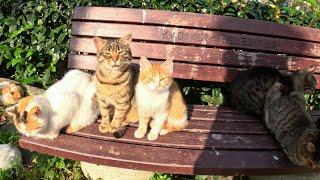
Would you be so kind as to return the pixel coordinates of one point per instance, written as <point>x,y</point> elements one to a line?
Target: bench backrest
<point>204,47</point>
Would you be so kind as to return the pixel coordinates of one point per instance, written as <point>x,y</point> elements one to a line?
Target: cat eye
<point>122,52</point>
<point>106,55</point>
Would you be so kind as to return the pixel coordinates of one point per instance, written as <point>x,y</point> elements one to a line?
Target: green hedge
<point>34,34</point>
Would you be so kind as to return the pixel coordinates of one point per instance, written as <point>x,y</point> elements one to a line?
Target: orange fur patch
<point>147,75</point>
<point>6,90</point>
<point>70,129</point>
<point>23,103</point>
<point>32,122</point>
<point>16,95</point>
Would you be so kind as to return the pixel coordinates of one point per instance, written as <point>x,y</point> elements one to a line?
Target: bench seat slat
<point>181,70</point>
<point>183,19</point>
<point>197,37</point>
<point>203,55</point>
<point>186,152</point>
<point>196,139</point>
<point>161,159</point>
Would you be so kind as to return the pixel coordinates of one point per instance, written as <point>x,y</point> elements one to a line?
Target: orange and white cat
<point>10,93</point>
<point>159,100</point>
<point>69,102</point>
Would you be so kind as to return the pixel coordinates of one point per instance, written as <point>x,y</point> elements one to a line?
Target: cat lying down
<point>10,93</point>
<point>68,103</point>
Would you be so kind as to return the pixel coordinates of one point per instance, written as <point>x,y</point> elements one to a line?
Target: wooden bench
<point>205,48</point>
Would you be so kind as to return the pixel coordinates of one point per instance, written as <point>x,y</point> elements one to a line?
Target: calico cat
<point>247,92</point>
<point>69,102</point>
<point>293,127</point>
<point>116,77</point>
<point>10,93</point>
<point>159,100</point>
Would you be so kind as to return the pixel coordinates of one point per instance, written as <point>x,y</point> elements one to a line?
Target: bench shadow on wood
<point>258,157</point>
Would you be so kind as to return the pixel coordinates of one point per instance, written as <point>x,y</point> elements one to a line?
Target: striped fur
<point>293,127</point>
<point>115,80</point>
<point>247,92</point>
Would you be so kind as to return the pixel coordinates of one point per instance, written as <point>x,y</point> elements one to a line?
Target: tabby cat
<point>247,92</point>
<point>159,100</point>
<point>288,120</point>
<point>10,93</point>
<point>69,102</point>
<point>116,77</point>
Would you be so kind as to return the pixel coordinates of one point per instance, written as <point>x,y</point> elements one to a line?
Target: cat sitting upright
<point>159,100</point>
<point>69,102</point>
<point>115,80</point>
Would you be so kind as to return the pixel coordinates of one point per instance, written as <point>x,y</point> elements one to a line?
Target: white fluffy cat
<point>69,102</point>
<point>9,155</point>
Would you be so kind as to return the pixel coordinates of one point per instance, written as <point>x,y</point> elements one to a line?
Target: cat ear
<point>99,43</point>
<point>144,63</point>
<point>126,39</point>
<point>12,109</point>
<point>168,66</point>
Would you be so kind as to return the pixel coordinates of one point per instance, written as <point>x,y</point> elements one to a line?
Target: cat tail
<point>132,117</point>
<point>177,118</point>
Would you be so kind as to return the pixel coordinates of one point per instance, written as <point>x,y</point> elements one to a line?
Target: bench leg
<point>93,171</point>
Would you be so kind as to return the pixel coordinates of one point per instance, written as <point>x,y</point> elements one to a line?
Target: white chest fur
<point>151,102</point>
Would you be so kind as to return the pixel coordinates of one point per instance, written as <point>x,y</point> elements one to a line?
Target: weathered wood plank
<point>183,19</point>
<point>203,55</point>
<point>197,37</point>
<point>181,70</point>
<point>177,161</point>
<point>192,140</point>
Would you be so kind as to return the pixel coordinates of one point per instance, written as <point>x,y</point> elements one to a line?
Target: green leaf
<point>4,48</point>
<point>205,89</point>
<point>15,61</point>
<point>314,3</point>
<point>61,37</point>
<point>50,174</point>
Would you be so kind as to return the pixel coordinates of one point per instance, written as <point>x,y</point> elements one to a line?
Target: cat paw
<point>104,127</point>
<point>70,130</point>
<point>163,132</point>
<point>113,129</point>
<point>152,137</point>
<point>52,136</point>
<point>139,134</point>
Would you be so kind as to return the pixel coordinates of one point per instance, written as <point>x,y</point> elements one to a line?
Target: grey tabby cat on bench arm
<point>291,124</point>
<point>279,98</point>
